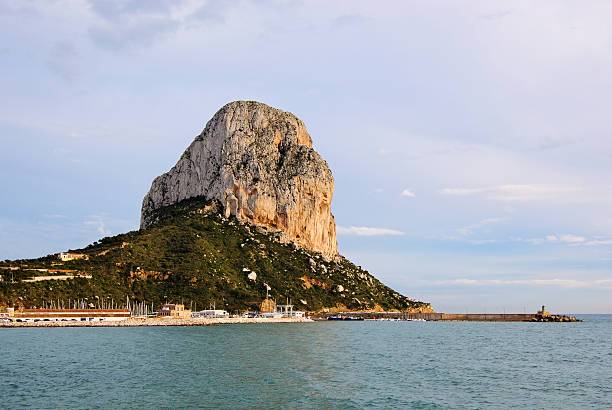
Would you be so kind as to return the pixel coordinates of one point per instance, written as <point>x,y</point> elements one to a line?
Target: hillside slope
<point>195,255</point>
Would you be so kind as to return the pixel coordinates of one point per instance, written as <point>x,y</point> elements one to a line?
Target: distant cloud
<point>211,12</point>
<point>466,230</point>
<point>113,9</point>
<point>125,24</point>
<point>565,283</point>
<point>549,143</point>
<point>567,238</point>
<point>510,193</point>
<point>408,193</point>
<point>482,241</point>
<point>571,240</point>
<point>142,31</point>
<point>366,231</point>
<point>597,242</point>
<point>60,150</point>
<point>55,216</point>
<point>98,223</point>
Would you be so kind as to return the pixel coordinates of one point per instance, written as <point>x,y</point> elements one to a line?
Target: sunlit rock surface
<point>258,162</point>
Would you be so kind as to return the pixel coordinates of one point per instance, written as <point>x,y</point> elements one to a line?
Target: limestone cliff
<point>258,162</point>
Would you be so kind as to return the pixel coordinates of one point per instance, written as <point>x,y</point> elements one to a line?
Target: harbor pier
<point>449,317</point>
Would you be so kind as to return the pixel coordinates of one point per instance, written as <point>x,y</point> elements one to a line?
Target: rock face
<point>258,162</point>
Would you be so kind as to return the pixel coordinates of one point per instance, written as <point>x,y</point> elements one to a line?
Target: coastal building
<point>67,256</point>
<point>210,314</point>
<point>287,311</point>
<point>67,315</point>
<point>267,306</point>
<point>176,311</point>
<point>270,315</point>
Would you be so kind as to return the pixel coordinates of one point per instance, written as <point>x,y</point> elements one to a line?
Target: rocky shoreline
<point>156,322</point>
<point>554,318</point>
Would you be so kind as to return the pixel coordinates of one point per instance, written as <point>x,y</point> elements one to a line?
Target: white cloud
<point>509,193</point>
<point>99,224</point>
<point>366,231</point>
<point>597,242</point>
<point>607,283</point>
<point>54,216</point>
<point>483,241</point>
<point>569,239</point>
<point>408,193</point>
<point>466,230</point>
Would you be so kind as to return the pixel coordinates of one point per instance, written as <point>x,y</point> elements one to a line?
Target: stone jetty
<point>554,318</point>
<point>451,317</point>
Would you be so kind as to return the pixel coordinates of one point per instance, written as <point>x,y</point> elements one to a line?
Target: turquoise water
<point>312,365</point>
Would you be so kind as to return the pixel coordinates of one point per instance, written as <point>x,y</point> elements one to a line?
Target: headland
<point>244,213</point>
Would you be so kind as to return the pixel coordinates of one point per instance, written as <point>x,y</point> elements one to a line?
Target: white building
<point>287,311</point>
<point>210,314</point>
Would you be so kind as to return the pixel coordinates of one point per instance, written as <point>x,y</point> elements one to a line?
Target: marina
<point>174,314</point>
<point>141,314</point>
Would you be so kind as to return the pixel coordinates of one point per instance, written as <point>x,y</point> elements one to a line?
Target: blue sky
<point>470,141</point>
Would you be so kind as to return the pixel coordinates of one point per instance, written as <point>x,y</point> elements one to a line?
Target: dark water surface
<point>312,365</point>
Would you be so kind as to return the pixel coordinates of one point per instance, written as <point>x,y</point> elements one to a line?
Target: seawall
<point>469,317</point>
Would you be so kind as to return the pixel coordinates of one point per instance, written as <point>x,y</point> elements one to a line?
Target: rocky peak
<point>258,162</point>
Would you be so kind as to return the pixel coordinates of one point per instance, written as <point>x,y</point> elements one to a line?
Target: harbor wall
<point>473,317</point>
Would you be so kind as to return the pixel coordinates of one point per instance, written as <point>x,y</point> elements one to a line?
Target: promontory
<point>244,215</point>
<point>258,162</point>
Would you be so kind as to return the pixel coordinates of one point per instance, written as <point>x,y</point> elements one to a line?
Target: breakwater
<point>468,317</point>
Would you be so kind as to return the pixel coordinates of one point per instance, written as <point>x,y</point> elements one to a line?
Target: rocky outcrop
<point>258,162</point>
<point>554,318</point>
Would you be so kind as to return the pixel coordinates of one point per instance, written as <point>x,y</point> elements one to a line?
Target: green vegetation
<point>193,254</point>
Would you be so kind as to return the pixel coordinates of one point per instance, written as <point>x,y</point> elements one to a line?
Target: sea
<point>330,365</point>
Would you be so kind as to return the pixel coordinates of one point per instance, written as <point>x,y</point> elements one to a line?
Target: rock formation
<point>258,162</point>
